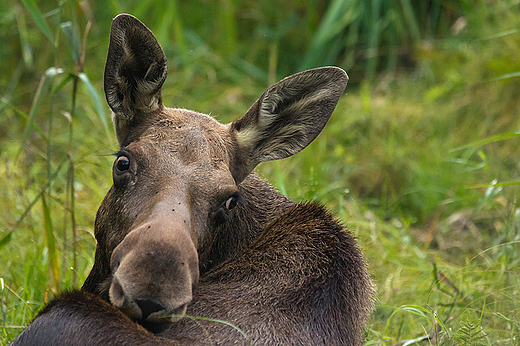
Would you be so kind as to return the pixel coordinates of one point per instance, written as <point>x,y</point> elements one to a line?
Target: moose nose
<point>148,306</point>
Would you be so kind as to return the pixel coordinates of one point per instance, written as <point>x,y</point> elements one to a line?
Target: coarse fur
<point>187,229</point>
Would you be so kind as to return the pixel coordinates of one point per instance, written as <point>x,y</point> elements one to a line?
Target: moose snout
<point>154,272</point>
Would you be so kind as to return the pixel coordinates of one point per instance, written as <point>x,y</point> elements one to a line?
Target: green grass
<point>420,158</point>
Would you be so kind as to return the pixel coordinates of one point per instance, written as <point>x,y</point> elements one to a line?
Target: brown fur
<point>171,240</point>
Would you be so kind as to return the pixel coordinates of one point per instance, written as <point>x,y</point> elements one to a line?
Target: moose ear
<point>135,71</point>
<point>286,118</point>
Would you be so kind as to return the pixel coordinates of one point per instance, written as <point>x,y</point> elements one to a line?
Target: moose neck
<point>262,204</point>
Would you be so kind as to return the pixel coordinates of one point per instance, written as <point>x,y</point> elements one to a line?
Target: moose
<point>193,248</point>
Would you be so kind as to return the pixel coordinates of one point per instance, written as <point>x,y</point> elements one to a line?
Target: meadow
<point>420,158</point>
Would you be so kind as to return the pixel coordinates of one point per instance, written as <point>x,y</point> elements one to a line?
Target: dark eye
<point>122,164</point>
<point>222,213</point>
<point>231,202</point>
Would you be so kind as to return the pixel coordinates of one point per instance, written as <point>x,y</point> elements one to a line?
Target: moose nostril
<point>148,306</point>
<point>117,295</point>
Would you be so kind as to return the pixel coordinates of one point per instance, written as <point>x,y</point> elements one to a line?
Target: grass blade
<point>505,183</point>
<point>27,50</point>
<point>339,15</point>
<point>218,321</point>
<point>374,38</point>
<point>280,178</point>
<point>51,244</point>
<point>493,139</point>
<point>411,19</point>
<point>36,15</point>
<point>508,75</point>
<point>49,181</point>
<point>97,102</point>
<point>23,115</point>
<point>228,25</point>
<point>6,239</point>
<point>500,34</point>
<point>11,86</point>
<point>72,35</point>
<point>413,309</point>
<point>178,30</point>
<point>45,81</point>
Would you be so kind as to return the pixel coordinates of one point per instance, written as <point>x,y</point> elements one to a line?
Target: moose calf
<point>188,229</point>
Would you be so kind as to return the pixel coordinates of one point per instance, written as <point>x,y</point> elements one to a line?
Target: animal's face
<point>177,173</point>
<point>171,186</point>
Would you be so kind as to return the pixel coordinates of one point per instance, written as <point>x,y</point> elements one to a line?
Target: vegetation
<point>420,158</point>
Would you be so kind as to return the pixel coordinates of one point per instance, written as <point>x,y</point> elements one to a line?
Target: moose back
<point>188,229</point>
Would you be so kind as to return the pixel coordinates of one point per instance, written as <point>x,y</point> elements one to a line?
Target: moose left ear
<point>286,118</point>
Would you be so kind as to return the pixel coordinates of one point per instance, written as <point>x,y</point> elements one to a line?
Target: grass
<point>420,158</point>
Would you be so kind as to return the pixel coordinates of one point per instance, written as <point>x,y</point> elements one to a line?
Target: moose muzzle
<point>155,270</point>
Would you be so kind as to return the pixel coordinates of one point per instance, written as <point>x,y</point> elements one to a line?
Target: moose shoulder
<point>187,229</point>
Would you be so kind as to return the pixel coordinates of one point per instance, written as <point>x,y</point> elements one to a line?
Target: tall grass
<point>420,158</point>
<point>374,35</point>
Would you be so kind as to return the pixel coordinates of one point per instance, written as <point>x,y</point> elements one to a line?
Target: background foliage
<point>420,158</point>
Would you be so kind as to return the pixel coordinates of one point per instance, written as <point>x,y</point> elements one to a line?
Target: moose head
<point>177,175</point>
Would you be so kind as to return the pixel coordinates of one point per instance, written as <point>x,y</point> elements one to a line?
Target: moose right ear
<point>135,72</point>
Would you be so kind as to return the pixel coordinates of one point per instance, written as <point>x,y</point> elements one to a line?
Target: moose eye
<point>231,202</point>
<point>223,211</point>
<point>122,164</point>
